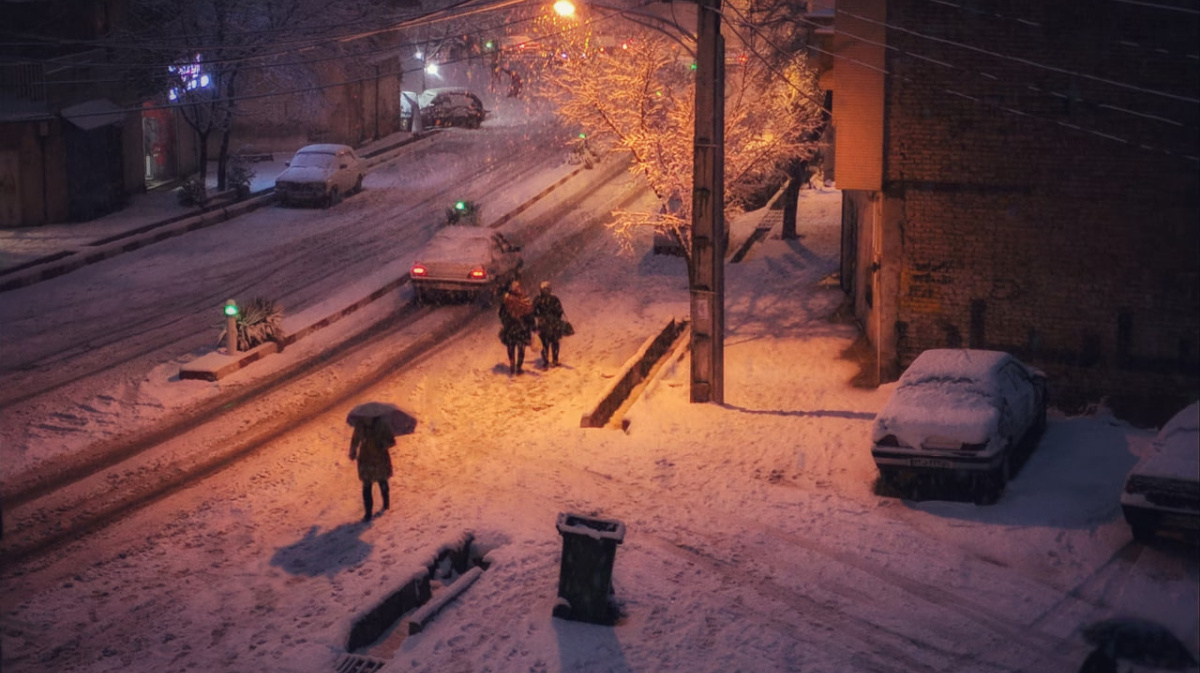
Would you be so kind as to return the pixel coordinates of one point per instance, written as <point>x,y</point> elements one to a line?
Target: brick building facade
<point>1023,176</point>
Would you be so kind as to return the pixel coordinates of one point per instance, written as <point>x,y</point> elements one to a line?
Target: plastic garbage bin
<point>585,590</point>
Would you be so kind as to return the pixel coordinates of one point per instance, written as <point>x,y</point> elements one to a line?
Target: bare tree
<point>198,51</point>
<point>640,98</point>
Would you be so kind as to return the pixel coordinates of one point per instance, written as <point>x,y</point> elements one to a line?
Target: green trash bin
<point>585,590</point>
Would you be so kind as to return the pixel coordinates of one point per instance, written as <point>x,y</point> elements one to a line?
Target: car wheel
<point>419,297</point>
<point>332,198</point>
<point>358,185</point>
<point>1142,533</point>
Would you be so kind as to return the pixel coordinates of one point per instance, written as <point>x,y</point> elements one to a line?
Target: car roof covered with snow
<point>324,148</point>
<point>459,243</point>
<point>426,97</point>
<point>947,393</point>
<point>1175,453</point>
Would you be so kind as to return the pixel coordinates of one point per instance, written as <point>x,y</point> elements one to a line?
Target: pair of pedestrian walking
<point>520,317</point>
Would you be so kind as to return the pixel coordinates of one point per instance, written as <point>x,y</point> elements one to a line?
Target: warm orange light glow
<point>564,8</point>
<point>478,274</point>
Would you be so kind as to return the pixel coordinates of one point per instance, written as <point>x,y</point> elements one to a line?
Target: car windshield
<point>312,160</point>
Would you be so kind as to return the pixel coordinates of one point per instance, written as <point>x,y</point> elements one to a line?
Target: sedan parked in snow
<point>1162,491</point>
<point>320,174</point>
<point>464,261</point>
<point>960,416</point>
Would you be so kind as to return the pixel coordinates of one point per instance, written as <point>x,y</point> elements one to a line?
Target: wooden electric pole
<point>707,282</point>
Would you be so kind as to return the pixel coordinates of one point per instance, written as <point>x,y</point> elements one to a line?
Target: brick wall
<point>1037,218</point>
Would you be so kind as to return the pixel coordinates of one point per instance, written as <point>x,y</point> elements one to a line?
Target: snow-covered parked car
<point>464,261</point>
<point>960,416</point>
<point>320,174</point>
<point>1162,491</point>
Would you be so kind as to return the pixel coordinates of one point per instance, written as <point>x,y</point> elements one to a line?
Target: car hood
<point>943,414</point>
<point>1175,453</point>
<point>304,174</point>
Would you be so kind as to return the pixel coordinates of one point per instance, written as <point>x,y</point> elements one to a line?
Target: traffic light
<point>462,207</point>
<point>231,309</point>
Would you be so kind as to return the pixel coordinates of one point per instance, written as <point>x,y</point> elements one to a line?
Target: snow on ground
<point>754,539</point>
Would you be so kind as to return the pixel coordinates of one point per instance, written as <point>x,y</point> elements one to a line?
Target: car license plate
<point>930,462</point>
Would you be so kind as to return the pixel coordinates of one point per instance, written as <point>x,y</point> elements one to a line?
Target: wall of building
<point>1034,218</point>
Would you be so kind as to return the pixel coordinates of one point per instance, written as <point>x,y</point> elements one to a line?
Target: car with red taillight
<point>959,417</point>
<point>464,262</point>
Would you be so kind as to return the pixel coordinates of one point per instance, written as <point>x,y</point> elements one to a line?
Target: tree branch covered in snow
<point>639,97</point>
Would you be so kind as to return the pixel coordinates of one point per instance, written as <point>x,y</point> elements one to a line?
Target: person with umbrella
<point>375,428</point>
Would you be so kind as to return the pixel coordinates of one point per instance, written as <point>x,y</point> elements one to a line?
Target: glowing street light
<point>564,8</point>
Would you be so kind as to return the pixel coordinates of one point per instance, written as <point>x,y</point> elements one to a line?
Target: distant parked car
<point>960,416</point>
<point>1162,491</point>
<point>320,175</point>
<point>451,106</point>
<point>464,261</point>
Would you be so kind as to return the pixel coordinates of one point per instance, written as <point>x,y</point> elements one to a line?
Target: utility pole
<point>707,284</point>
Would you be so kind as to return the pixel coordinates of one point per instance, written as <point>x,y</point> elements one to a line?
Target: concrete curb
<point>633,372</point>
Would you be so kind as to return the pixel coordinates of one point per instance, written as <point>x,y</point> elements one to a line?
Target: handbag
<point>567,329</point>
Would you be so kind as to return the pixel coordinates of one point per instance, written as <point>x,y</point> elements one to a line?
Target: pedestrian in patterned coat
<point>549,313</point>
<point>369,446</point>
<point>516,325</point>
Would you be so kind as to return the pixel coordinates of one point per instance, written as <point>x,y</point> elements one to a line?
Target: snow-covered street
<point>754,539</point>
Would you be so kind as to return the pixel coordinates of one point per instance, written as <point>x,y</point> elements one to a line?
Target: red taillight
<point>419,270</point>
<point>478,274</point>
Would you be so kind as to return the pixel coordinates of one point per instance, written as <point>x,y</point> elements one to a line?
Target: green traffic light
<point>583,135</point>
<point>231,310</point>
<point>489,44</point>
<point>460,205</point>
<point>693,66</point>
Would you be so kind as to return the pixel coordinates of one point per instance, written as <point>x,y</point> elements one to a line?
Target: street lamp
<point>707,281</point>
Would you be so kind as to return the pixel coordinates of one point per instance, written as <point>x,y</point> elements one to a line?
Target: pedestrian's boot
<point>386,493</point>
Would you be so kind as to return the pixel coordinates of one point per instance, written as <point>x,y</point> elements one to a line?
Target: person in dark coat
<point>516,325</point>
<point>548,311</point>
<point>369,446</point>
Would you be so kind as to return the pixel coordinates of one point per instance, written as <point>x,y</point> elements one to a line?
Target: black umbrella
<point>1140,641</point>
<point>398,421</point>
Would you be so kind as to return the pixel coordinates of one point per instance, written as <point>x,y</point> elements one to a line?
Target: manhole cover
<point>356,663</point>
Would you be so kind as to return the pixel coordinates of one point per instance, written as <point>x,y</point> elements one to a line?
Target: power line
<point>1031,87</point>
<point>1029,23</point>
<point>1010,110</point>
<point>1018,59</point>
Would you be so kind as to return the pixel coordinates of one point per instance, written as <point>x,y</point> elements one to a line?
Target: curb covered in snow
<point>635,370</point>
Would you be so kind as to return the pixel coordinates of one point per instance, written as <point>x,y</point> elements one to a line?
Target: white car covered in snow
<point>320,175</point>
<point>959,416</point>
<point>1162,491</point>
<point>464,261</point>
